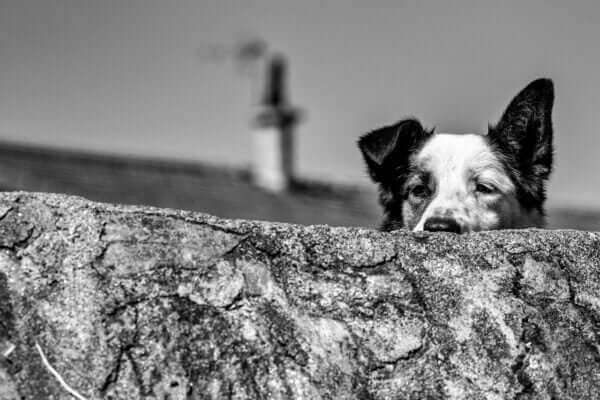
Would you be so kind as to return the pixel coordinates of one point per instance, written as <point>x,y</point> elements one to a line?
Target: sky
<point>158,78</point>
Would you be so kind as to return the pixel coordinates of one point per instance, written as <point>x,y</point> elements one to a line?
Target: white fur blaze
<point>468,185</point>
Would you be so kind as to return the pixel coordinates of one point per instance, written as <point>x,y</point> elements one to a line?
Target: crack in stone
<point>124,353</point>
<point>4,211</point>
<point>113,375</point>
<point>591,317</point>
<point>21,243</point>
<point>518,368</point>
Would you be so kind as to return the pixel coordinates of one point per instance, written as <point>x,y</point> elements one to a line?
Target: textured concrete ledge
<point>119,302</point>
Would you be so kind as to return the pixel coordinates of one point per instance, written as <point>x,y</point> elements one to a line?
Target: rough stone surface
<point>137,302</point>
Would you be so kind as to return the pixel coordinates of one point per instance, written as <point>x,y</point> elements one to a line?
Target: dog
<point>460,183</point>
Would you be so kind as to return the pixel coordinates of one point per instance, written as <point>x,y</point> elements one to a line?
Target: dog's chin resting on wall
<point>460,183</point>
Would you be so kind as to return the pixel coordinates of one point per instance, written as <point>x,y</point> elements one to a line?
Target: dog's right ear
<point>387,150</point>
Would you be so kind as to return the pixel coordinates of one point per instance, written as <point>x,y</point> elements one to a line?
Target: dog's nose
<point>438,224</point>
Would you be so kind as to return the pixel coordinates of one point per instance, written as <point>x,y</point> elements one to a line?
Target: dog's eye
<point>485,188</point>
<point>420,191</point>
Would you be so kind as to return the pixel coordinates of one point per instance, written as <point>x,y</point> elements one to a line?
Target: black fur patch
<point>387,154</point>
<point>522,139</point>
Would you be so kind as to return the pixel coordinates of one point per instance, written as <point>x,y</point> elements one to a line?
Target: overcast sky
<point>155,77</point>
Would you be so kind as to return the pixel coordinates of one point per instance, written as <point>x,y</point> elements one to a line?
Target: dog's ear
<point>524,133</point>
<point>387,150</point>
<point>523,138</point>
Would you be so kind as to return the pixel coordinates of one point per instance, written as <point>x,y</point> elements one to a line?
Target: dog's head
<point>466,182</point>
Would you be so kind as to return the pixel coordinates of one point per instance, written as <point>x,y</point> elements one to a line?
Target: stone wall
<point>104,301</point>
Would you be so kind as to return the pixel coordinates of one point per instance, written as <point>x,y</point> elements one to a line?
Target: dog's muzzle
<point>440,224</point>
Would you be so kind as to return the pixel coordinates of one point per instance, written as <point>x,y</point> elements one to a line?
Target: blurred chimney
<point>273,131</point>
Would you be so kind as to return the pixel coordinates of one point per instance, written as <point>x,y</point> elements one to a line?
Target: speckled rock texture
<point>136,302</point>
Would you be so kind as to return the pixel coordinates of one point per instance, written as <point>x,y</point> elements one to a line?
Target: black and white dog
<point>466,182</point>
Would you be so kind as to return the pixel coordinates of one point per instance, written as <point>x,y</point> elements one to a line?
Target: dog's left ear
<point>386,150</point>
<point>524,133</point>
